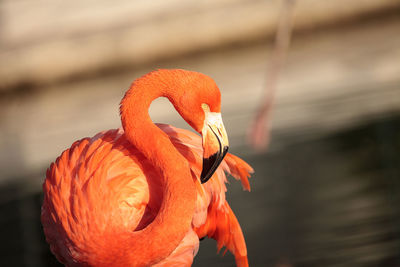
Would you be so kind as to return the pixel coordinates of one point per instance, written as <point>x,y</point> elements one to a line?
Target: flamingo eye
<point>205,107</point>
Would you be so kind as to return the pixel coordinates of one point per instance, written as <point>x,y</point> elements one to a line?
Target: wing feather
<point>86,183</point>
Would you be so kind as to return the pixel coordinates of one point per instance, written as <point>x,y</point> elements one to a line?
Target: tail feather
<point>222,225</point>
<point>239,169</point>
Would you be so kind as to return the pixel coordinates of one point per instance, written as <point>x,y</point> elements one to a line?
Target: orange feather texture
<point>132,196</point>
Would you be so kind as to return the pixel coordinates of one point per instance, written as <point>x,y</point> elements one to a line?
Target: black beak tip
<point>208,167</point>
<point>204,178</point>
<point>211,164</point>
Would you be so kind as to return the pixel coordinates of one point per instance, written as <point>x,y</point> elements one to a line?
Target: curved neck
<point>156,241</point>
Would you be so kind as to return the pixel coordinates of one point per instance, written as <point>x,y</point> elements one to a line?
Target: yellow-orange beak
<point>215,144</point>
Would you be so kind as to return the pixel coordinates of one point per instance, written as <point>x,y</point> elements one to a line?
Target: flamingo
<point>145,194</point>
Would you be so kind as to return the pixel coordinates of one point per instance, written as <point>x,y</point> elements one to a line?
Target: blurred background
<point>326,192</point>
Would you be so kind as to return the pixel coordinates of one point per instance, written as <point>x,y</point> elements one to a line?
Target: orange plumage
<point>133,196</point>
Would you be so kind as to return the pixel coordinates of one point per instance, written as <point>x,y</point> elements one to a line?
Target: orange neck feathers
<point>159,238</point>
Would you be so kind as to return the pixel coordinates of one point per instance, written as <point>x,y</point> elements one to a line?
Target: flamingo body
<point>103,188</point>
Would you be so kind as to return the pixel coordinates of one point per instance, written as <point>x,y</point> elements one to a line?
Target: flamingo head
<point>199,104</point>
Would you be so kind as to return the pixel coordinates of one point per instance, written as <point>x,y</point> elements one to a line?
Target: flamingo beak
<point>215,144</point>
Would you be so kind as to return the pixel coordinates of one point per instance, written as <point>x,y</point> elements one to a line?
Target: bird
<point>146,194</point>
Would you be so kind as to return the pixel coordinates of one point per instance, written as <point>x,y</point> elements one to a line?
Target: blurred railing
<point>47,41</point>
